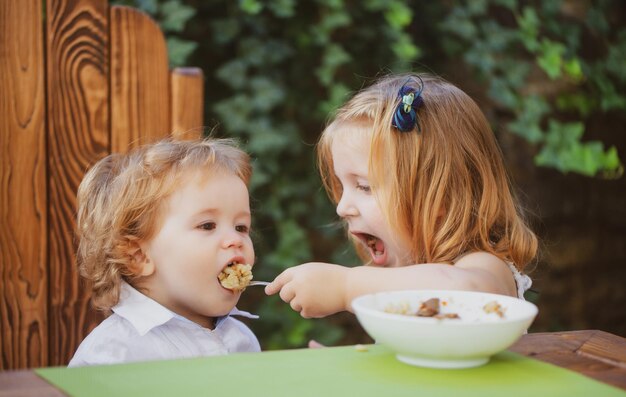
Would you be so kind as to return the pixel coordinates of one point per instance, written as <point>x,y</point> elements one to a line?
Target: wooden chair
<point>77,82</point>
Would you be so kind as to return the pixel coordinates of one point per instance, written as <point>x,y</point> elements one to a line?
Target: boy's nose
<point>345,208</point>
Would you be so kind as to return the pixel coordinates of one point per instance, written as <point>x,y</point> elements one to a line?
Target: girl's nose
<point>233,239</point>
<point>345,207</point>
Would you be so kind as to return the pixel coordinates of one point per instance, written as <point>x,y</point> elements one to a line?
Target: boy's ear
<point>140,262</point>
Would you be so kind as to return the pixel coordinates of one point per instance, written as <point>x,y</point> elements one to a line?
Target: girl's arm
<point>320,289</point>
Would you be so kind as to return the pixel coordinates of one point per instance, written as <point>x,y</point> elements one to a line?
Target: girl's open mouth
<point>375,246</point>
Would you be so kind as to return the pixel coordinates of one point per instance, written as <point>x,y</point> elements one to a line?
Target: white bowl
<point>444,343</point>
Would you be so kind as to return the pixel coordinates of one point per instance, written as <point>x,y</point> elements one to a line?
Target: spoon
<point>253,283</point>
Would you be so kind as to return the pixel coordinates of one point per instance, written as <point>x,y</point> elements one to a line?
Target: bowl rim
<point>358,306</point>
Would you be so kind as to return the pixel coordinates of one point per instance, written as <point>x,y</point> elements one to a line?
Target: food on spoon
<point>236,276</point>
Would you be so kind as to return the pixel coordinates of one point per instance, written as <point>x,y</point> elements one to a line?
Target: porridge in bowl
<point>444,329</point>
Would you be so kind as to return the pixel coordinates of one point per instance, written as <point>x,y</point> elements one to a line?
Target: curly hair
<point>445,189</point>
<point>119,202</point>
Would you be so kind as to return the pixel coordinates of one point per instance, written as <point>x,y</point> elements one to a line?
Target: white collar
<point>144,313</point>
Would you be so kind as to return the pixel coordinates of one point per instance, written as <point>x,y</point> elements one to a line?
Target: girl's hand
<point>313,289</point>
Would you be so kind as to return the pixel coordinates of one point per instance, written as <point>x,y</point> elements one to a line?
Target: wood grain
<point>140,87</point>
<point>187,103</point>
<point>78,135</point>
<point>596,354</point>
<point>55,123</point>
<point>26,384</point>
<point>23,213</point>
<point>604,347</point>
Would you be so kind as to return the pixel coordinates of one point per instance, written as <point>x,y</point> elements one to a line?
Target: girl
<point>418,178</point>
<point>156,228</point>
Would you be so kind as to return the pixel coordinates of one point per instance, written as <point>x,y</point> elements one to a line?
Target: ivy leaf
<point>179,50</point>
<point>581,102</point>
<point>459,23</point>
<point>477,7</point>
<point>225,30</point>
<point>550,58</point>
<point>375,5</point>
<point>501,91</point>
<point>251,7</point>
<point>398,15</point>
<point>337,96</point>
<point>282,8</point>
<point>334,56</point>
<point>233,113</point>
<point>597,20</point>
<point>233,73</point>
<point>481,57</point>
<point>404,48</point>
<point>175,15</point>
<point>612,159</point>
<point>573,69</point>
<point>334,4</point>
<point>149,6</point>
<point>330,22</point>
<point>528,122</point>
<point>528,24</point>
<point>293,245</point>
<point>564,151</point>
<point>609,97</point>
<point>267,138</point>
<point>510,4</point>
<point>616,59</point>
<point>266,94</point>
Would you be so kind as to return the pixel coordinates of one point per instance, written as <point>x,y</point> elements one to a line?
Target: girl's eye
<point>242,228</point>
<point>364,188</point>
<point>207,226</point>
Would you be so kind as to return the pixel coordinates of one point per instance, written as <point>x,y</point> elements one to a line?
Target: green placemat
<point>328,372</point>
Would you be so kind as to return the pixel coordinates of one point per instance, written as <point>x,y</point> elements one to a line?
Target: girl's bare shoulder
<point>482,261</point>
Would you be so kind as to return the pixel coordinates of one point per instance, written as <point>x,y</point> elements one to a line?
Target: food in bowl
<point>494,307</point>
<point>427,308</point>
<point>236,276</point>
<point>485,324</point>
<point>431,308</point>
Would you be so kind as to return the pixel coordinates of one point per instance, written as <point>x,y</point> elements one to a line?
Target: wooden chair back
<point>79,79</point>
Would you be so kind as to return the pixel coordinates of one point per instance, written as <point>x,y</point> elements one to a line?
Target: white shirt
<point>141,329</point>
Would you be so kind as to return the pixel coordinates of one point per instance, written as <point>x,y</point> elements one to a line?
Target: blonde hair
<point>120,198</point>
<point>445,189</point>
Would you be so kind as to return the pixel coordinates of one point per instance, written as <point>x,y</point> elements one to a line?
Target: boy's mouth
<point>236,275</point>
<point>375,246</point>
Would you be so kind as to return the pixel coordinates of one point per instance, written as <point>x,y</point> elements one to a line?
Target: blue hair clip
<point>405,117</point>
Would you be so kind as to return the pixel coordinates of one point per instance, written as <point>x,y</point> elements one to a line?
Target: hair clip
<point>405,117</point>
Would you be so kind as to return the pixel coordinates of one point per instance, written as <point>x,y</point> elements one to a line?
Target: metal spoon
<point>253,283</point>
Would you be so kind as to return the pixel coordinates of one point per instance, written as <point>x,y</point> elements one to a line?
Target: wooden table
<point>596,354</point>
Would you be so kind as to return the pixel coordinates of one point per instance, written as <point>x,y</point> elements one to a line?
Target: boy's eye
<point>363,187</point>
<point>242,228</point>
<point>207,226</point>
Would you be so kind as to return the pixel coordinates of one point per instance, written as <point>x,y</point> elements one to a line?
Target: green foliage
<point>286,69</point>
<point>507,57</point>
<point>563,150</point>
<point>276,69</point>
